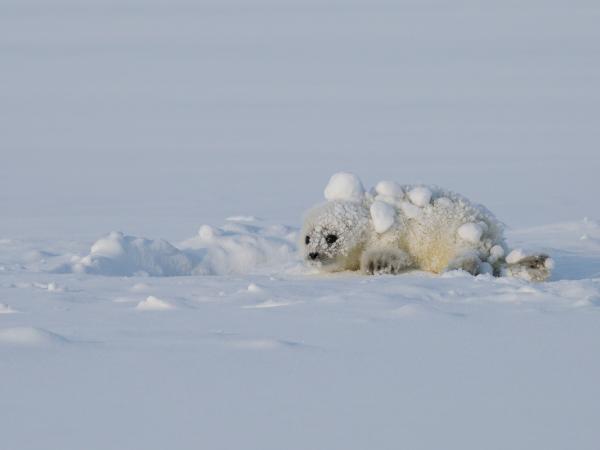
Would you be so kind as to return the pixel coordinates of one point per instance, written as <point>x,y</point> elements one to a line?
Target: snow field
<point>226,349</point>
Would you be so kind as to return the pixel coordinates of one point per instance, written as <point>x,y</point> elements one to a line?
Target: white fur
<point>436,231</point>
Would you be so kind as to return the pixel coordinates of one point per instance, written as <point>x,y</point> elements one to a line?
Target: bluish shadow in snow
<point>573,266</point>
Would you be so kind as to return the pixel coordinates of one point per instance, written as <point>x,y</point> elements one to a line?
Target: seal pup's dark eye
<point>307,240</point>
<point>330,238</point>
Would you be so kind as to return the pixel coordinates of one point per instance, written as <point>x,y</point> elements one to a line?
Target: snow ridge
<point>236,247</point>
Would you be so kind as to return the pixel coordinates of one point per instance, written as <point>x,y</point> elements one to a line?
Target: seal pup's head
<point>334,234</point>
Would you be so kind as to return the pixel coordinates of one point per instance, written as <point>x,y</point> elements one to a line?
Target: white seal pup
<point>396,228</point>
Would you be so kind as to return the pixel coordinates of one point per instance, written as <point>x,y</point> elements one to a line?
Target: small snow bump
<point>125,300</point>
<point>140,287</point>
<point>420,196</point>
<point>207,233</point>
<point>262,344</point>
<point>154,304</point>
<point>269,304</point>
<point>486,268</point>
<point>383,216</point>
<point>583,303</point>
<point>29,337</point>
<point>50,287</point>
<point>515,256</point>
<point>254,288</point>
<point>470,232</point>
<point>5,309</point>
<point>389,189</point>
<point>109,246</point>
<point>241,219</point>
<point>496,252</point>
<point>407,311</point>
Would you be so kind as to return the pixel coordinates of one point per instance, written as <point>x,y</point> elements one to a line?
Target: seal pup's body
<point>397,228</point>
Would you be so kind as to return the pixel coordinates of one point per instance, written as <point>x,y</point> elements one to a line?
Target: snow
<point>252,287</point>
<point>344,186</point>
<point>516,255</point>
<point>470,232</point>
<point>383,216</point>
<point>158,118</point>
<point>6,309</point>
<point>122,255</point>
<point>389,189</point>
<point>496,253</point>
<point>486,268</point>
<point>232,248</point>
<point>402,345</point>
<point>29,336</point>
<point>420,196</point>
<point>239,248</point>
<point>153,304</point>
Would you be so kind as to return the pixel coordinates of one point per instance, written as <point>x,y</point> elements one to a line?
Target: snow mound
<point>383,216</point>
<point>344,186</point>
<point>420,196</point>
<point>496,253</point>
<point>30,337</point>
<point>389,189</point>
<point>117,254</point>
<point>154,304</point>
<point>240,248</point>
<point>470,232</point>
<point>234,248</point>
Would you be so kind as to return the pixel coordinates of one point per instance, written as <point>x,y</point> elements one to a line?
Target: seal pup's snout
<point>313,255</point>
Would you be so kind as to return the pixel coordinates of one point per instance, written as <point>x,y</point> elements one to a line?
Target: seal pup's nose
<point>313,255</point>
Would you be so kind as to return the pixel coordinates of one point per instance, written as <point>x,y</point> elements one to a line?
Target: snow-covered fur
<point>394,228</point>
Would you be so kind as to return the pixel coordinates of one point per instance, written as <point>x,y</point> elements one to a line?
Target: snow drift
<point>237,247</point>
